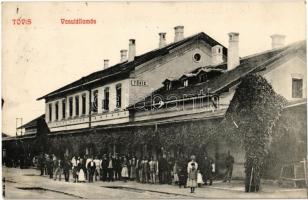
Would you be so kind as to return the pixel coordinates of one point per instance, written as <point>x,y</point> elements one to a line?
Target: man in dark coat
<point>58,164</point>
<point>207,170</point>
<point>66,168</point>
<point>41,163</point>
<point>162,170</point>
<point>104,166</point>
<point>91,168</point>
<point>117,167</point>
<point>49,163</point>
<point>229,165</point>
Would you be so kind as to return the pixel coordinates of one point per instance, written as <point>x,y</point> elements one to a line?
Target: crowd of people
<point>131,168</point>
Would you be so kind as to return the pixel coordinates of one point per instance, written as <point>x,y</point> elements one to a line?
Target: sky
<point>45,55</point>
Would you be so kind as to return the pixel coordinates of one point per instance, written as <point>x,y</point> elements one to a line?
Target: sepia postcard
<point>154,100</point>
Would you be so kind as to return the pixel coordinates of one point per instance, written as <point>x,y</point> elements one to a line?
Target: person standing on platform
<point>139,169</point>
<point>229,165</point>
<point>124,172</point>
<point>50,166</point>
<point>88,159</point>
<point>98,167</point>
<point>91,169</point>
<point>81,174</point>
<point>110,168</point>
<point>208,170</point>
<point>162,169</point>
<point>153,165</point>
<point>59,168</point>
<point>133,163</point>
<point>41,163</point>
<point>66,168</point>
<point>117,167</point>
<point>75,162</point>
<point>104,166</point>
<point>192,177</point>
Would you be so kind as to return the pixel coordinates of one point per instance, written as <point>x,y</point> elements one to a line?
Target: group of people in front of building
<point>144,170</point>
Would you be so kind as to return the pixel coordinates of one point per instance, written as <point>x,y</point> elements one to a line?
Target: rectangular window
<point>70,104</point>
<point>202,78</point>
<point>185,83</point>
<point>118,95</point>
<point>50,112</point>
<point>77,105</point>
<point>106,100</point>
<point>63,109</point>
<point>83,104</point>
<point>297,88</point>
<point>94,102</point>
<point>168,86</point>
<point>57,110</point>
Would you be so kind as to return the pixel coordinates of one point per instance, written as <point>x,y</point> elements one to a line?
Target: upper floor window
<point>169,86</point>
<point>118,95</point>
<point>197,57</point>
<point>95,101</point>
<point>63,109</point>
<point>77,105</point>
<point>57,110</point>
<point>185,83</point>
<point>50,112</point>
<point>106,99</point>
<point>70,104</point>
<point>202,77</point>
<point>297,88</point>
<point>83,103</point>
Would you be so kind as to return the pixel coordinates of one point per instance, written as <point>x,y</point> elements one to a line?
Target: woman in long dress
<point>133,163</point>
<point>192,178</point>
<point>124,172</point>
<point>81,175</point>
<point>192,172</point>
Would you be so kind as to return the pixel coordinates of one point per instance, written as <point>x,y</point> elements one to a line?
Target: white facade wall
<point>154,72</point>
<point>114,115</point>
<point>172,66</point>
<point>281,76</point>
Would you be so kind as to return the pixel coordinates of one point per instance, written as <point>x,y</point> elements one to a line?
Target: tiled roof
<point>216,85</point>
<point>32,123</point>
<point>121,70</point>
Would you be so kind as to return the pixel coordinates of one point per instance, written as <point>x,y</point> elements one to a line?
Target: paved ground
<point>27,184</point>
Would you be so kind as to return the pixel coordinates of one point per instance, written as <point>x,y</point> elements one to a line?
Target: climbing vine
<point>250,118</point>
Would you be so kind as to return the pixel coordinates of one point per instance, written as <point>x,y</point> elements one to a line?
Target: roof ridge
<point>137,61</point>
<point>273,50</point>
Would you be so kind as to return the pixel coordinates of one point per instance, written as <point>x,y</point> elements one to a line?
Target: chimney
<point>277,41</point>
<point>162,40</point>
<point>217,55</point>
<point>131,50</point>
<point>178,33</point>
<point>123,54</point>
<point>106,63</point>
<point>233,50</point>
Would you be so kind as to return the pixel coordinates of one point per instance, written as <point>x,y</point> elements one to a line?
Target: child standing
<point>192,178</point>
<point>199,179</point>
